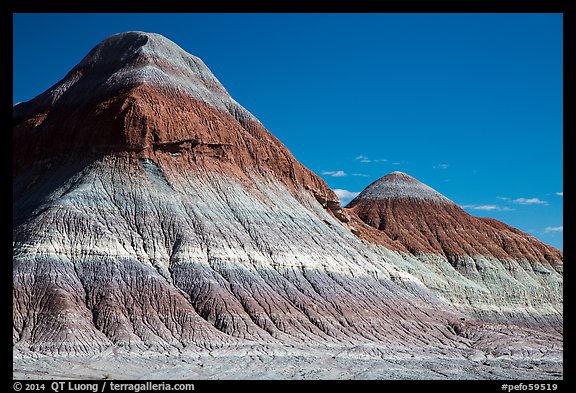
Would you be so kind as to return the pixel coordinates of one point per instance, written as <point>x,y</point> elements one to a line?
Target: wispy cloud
<point>481,207</point>
<point>554,229</point>
<point>396,163</point>
<point>365,159</point>
<point>441,166</point>
<point>487,207</point>
<point>525,201</point>
<point>529,201</point>
<point>345,194</point>
<point>335,173</point>
<point>561,193</point>
<point>360,174</point>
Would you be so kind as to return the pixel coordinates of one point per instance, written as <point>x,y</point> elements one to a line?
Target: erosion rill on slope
<point>153,212</point>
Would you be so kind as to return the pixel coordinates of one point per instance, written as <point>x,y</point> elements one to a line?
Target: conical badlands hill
<point>482,266</point>
<point>152,211</point>
<point>151,208</point>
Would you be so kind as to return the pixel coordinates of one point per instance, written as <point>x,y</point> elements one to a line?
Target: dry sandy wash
<point>160,231</point>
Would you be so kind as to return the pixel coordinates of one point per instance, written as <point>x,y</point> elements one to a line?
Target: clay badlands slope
<point>482,266</point>
<point>153,215</point>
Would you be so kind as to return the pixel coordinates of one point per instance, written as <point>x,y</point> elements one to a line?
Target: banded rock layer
<point>152,211</point>
<point>482,266</point>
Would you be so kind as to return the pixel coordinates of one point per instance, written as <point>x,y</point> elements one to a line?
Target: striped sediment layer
<point>153,212</point>
<point>484,267</point>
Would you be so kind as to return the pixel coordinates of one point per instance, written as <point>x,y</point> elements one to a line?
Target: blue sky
<point>470,104</point>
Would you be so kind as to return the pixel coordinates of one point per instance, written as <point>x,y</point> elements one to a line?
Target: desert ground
<point>286,362</point>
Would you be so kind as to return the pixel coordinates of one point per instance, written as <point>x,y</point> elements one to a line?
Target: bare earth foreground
<point>281,362</point>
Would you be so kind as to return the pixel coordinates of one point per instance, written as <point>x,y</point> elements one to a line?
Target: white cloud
<point>441,166</point>
<point>395,163</point>
<point>334,173</point>
<point>555,229</point>
<point>487,207</point>
<point>345,194</point>
<point>481,207</point>
<point>561,193</point>
<point>363,159</point>
<point>366,159</point>
<point>529,201</point>
<point>360,174</point>
<point>523,201</point>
